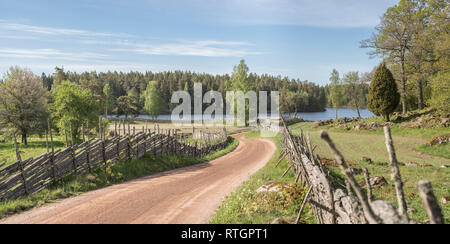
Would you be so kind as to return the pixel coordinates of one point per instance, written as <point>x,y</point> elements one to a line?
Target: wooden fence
<point>34,174</point>
<point>336,201</point>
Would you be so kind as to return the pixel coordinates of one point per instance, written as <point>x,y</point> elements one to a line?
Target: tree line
<point>134,84</point>
<point>74,101</point>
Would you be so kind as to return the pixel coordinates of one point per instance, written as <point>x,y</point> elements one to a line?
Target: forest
<point>312,97</point>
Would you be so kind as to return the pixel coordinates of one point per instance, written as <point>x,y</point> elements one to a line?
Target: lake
<point>313,116</point>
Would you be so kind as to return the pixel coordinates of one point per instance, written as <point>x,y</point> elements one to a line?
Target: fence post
<point>82,132</point>
<point>115,128</point>
<point>124,129</point>
<point>104,152</point>
<point>87,153</point>
<point>52,159</point>
<point>128,146</point>
<point>100,127</point>
<point>65,135</point>
<point>19,159</point>
<point>72,151</point>
<point>71,136</point>
<point>118,146</point>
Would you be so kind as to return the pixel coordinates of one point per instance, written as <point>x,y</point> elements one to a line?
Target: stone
<point>377,181</point>
<point>367,159</point>
<point>356,171</point>
<point>280,221</point>
<point>411,210</point>
<point>411,164</point>
<point>445,200</point>
<point>387,213</point>
<point>270,187</point>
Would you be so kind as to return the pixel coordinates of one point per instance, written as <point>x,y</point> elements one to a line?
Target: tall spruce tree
<point>383,96</point>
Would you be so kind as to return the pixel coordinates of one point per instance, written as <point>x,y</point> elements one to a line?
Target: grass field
<point>36,146</point>
<point>442,150</point>
<point>356,145</point>
<point>101,177</point>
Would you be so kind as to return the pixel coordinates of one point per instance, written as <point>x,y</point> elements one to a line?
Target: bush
<point>383,95</point>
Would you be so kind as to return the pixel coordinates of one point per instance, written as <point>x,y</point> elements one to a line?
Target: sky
<point>300,39</point>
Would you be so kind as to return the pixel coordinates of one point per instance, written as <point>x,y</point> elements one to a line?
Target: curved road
<point>187,195</point>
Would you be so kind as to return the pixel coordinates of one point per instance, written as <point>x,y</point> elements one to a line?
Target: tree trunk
<point>24,138</point>
<point>403,84</point>
<point>336,113</point>
<point>387,117</point>
<point>357,109</point>
<point>420,91</point>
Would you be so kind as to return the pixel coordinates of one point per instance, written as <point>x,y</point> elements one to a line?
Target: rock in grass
<point>356,171</point>
<point>280,221</point>
<point>378,181</point>
<point>411,164</point>
<point>367,159</point>
<point>445,200</point>
<point>411,210</point>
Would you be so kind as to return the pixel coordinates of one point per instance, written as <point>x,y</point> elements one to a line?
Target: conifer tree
<point>383,96</point>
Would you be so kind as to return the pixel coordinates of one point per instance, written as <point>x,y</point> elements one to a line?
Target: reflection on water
<point>313,116</point>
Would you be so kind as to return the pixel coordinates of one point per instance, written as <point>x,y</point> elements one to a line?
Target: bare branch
<point>402,208</point>
<point>368,212</point>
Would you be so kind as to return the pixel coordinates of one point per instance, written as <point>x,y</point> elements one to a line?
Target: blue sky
<point>301,39</point>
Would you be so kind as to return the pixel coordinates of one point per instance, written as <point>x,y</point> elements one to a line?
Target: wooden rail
<point>35,174</point>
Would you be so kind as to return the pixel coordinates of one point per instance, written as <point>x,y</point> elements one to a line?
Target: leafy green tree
<point>296,101</point>
<point>440,92</point>
<point>73,106</point>
<point>354,91</point>
<point>153,100</point>
<point>395,37</point>
<point>23,102</point>
<point>241,82</point>
<point>108,98</point>
<point>383,96</point>
<point>126,105</point>
<point>336,93</point>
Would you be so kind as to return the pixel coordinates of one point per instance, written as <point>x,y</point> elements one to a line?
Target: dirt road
<point>186,195</point>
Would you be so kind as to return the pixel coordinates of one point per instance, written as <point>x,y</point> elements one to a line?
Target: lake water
<point>312,116</point>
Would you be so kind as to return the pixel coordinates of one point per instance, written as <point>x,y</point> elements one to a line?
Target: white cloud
<point>208,48</point>
<point>112,42</point>
<point>41,30</point>
<point>48,53</point>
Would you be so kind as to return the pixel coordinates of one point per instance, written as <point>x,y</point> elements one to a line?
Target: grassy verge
<point>442,150</point>
<point>101,177</point>
<point>356,145</point>
<point>245,206</point>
